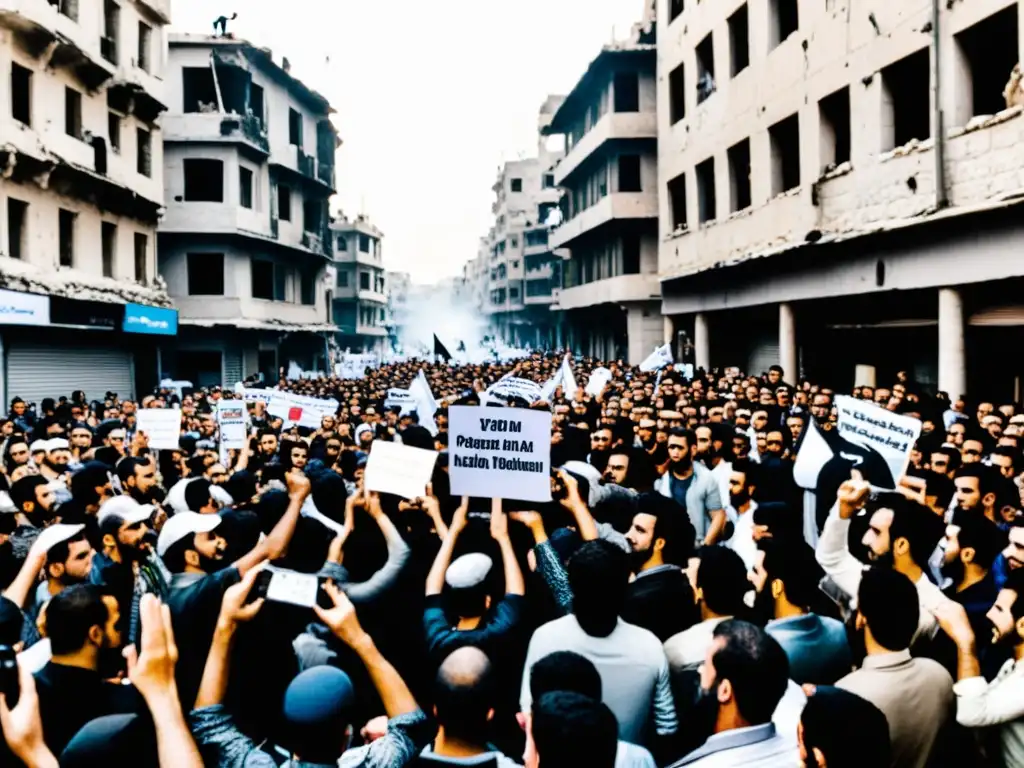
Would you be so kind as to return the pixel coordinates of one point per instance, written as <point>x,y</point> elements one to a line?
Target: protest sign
<point>510,386</point>
<point>354,366</point>
<point>400,398</point>
<point>175,386</point>
<point>503,453</point>
<point>399,469</point>
<point>890,435</point>
<point>231,419</point>
<point>299,409</point>
<point>598,381</point>
<point>658,359</point>
<point>162,426</point>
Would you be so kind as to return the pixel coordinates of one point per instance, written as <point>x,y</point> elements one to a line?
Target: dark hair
<point>687,434</point>
<point>71,613</point>
<point>722,578</point>
<point>748,469</point>
<point>888,602</point>
<point>572,729</point>
<point>671,524</point>
<point>565,671</point>
<point>197,493</point>
<point>464,693</point>
<point>756,666</point>
<point>939,486</point>
<point>792,562</point>
<point>24,490</point>
<point>979,533</point>
<point>1015,583</point>
<point>598,577</point>
<point>126,468</point>
<point>60,552</point>
<point>921,527</point>
<point>850,731</point>
<point>174,557</point>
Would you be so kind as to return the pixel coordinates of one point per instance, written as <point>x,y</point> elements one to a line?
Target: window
<point>626,89</point>
<point>513,242</point>
<point>342,243</point>
<point>307,288</point>
<point>284,202</point>
<point>21,94</point>
<point>629,173</point>
<point>67,7</point>
<point>739,176</point>
<point>677,201</point>
<point>66,237</point>
<point>543,211</point>
<point>72,112</point>
<point>631,253</point>
<point>985,54</point>
<point>17,221</point>
<point>906,96</point>
<point>114,131</point>
<point>513,292</point>
<point>205,274</point>
<point>784,137</point>
<point>677,94</point>
<point>144,152</point>
<point>517,185</point>
<point>198,89</point>
<point>834,118</point>
<point>145,45</point>
<point>706,203</point>
<point>108,234</point>
<point>262,279</point>
<point>280,282</point>
<point>739,41</point>
<point>204,180</point>
<point>256,103</point>
<point>141,258</point>
<point>294,128</point>
<point>705,68</point>
<point>783,21</point>
<point>364,243</point>
<point>111,25</point>
<point>549,180</point>
<point>382,316</point>
<point>364,281</point>
<point>675,7</point>
<point>245,187</point>
<point>343,279</point>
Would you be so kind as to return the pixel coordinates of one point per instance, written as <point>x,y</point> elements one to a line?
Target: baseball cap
<point>184,524</point>
<point>127,508</point>
<point>56,534</point>
<point>57,444</point>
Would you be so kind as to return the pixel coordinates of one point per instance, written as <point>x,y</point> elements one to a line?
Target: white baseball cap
<point>127,508</point>
<point>56,534</point>
<point>184,524</point>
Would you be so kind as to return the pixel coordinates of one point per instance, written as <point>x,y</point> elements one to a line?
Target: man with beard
<point>710,444</point>
<point>34,500</point>
<point>55,462</point>
<point>742,680</point>
<point>660,541</point>
<point>742,482</point>
<point>693,487</point>
<point>914,694</point>
<point>138,479</point>
<point>90,487</point>
<point>972,544</point>
<point>600,448</point>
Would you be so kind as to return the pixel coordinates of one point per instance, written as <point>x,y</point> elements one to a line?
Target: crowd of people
<point>681,600</point>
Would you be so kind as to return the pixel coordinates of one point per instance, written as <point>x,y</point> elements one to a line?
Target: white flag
<point>658,359</point>
<point>426,405</point>
<point>569,385</point>
<point>598,381</point>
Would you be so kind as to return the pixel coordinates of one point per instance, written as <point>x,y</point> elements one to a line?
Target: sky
<point>431,98</point>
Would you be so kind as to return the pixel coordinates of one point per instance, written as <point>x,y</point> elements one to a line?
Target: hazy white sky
<point>431,98</point>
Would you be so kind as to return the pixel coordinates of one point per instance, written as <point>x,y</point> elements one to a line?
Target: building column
<point>952,355</point>
<point>787,342</point>
<point>701,342</point>
<point>669,335</point>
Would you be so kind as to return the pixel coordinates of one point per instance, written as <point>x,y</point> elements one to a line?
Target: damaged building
<point>245,246</point>
<point>848,193</point>
<point>361,286</point>
<point>81,191</point>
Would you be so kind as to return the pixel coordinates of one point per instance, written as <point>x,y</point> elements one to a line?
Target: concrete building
<point>360,293</point>
<point>523,271</point>
<point>245,245</point>
<point>81,188</point>
<point>842,187</point>
<point>609,300</point>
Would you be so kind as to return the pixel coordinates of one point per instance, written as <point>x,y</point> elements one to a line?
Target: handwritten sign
<point>162,426</point>
<point>400,398</point>
<point>500,452</point>
<point>510,387</point>
<point>399,469</point>
<point>890,435</point>
<point>231,419</point>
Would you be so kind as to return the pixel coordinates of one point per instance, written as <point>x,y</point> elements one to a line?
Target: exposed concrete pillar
<point>701,342</point>
<point>787,342</point>
<point>952,356</point>
<point>669,326</point>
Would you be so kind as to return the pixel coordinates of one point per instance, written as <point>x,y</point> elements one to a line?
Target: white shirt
<point>1000,703</point>
<point>690,647</point>
<point>742,540</point>
<point>722,473</point>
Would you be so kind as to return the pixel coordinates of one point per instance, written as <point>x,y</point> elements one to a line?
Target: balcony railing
<point>313,242</point>
<point>254,130</point>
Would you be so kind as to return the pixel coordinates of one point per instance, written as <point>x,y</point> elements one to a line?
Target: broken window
<point>17,223</point>
<point>364,243</point>
<point>834,113</point>
<point>204,180</point>
<point>21,94</point>
<point>262,279</point>
<point>245,187</point>
<point>145,46</point>
<point>986,53</point>
<point>66,237</point>
<point>364,281</point>
<point>72,112</point>
<point>906,100</point>
<point>307,287</point>
<point>739,41</point>
<point>705,68</point>
<point>784,137</point>
<point>284,202</point>
<point>108,249</point>
<point>205,274</point>
<point>739,176</point>
<point>256,101</point>
<point>111,26</point>
<point>294,128</point>
<point>280,282</point>
<point>706,203</point>
<point>675,7</point>
<point>114,131</point>
<point>783,21</point>
<point>513,243</point>
<point>629,173</point>
<point>141,258</point>
<point>198,89</point>
<point>677,94</point>
<point>627,92</point>
<point>312,210</point>
<point>516,185</point>
<point>677,201</point>
<point>144,152</point>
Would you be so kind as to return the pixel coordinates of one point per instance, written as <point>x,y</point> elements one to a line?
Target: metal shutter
<point>232,368</point>
<point>763,355</point>
<point>35,372</point>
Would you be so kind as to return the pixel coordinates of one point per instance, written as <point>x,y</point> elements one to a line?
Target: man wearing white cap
<point>55,463</point>
<point>38,452</point>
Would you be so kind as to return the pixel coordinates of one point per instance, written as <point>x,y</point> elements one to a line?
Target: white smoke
<point>438,309</point>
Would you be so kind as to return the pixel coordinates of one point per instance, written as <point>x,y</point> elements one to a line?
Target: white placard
<point>292,587</point>
<point>658,359</point>
<point>873,428</point>
<point>162,426</point>
<point>401,398</point>
<point>500,452</point>
<point>293,408</point>
<point>510,386</point>
<point>399,469</point>
<point>231,418</point>
<point>598,381</point>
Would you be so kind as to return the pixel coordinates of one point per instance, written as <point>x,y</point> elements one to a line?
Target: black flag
<point>441,350</point>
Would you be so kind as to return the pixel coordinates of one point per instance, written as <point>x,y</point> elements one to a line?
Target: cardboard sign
<point>399,469</point>
<point>162,426</point>
<point>510,386</point>
<point>401,398</point>
<point>872,427</point>
<point>500,452</point>
<point>231,419</point>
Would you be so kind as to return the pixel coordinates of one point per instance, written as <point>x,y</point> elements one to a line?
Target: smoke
<point>437,309</point>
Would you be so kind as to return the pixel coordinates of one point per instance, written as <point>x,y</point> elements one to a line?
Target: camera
<point>9,684</point>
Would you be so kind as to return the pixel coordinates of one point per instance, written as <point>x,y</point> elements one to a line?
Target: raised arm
<point>276,544</point>
<point>435,579</point>
<point>398,555</point>
<point>21,587</point>
<point>514,583</point>
<point>574,503</point>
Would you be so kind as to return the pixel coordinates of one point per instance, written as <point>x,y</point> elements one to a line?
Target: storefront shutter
<point>38,371</point>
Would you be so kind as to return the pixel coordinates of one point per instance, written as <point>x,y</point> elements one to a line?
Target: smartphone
<point>9,685</point>
<point>281,585</point>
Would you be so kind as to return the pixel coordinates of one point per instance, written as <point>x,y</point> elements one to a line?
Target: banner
<point>598,381</point>
<point>231,419</point>
<point>354,366</point>
<point>399,469</point>
<point>400,398</point>
<point>292,408</point>
<point>510,386</point>
<point>162,426</point>
<point>500,453</point>
<point>658,359</point>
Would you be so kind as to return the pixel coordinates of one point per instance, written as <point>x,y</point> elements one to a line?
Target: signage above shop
<point>138,318</point>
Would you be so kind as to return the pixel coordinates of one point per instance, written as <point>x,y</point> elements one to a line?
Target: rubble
<point>18,275</point>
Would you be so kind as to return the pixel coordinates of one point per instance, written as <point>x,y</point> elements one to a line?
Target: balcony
<point>372,297</point>
<point>620,205</point>
<point>314,243</point>
<point>540,273</point>
<point>613,290</point>
<point>613,126</point>
<point>307,166</point>
<point>217,127</point>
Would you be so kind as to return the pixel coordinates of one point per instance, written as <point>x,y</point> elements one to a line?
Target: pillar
<point>669,334</point>
<point>701,342</point>
<point>952,356</point>
<point>787,342</point>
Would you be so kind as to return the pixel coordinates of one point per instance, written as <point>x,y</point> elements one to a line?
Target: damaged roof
<point>270,324</point>
<point>18,275</point>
